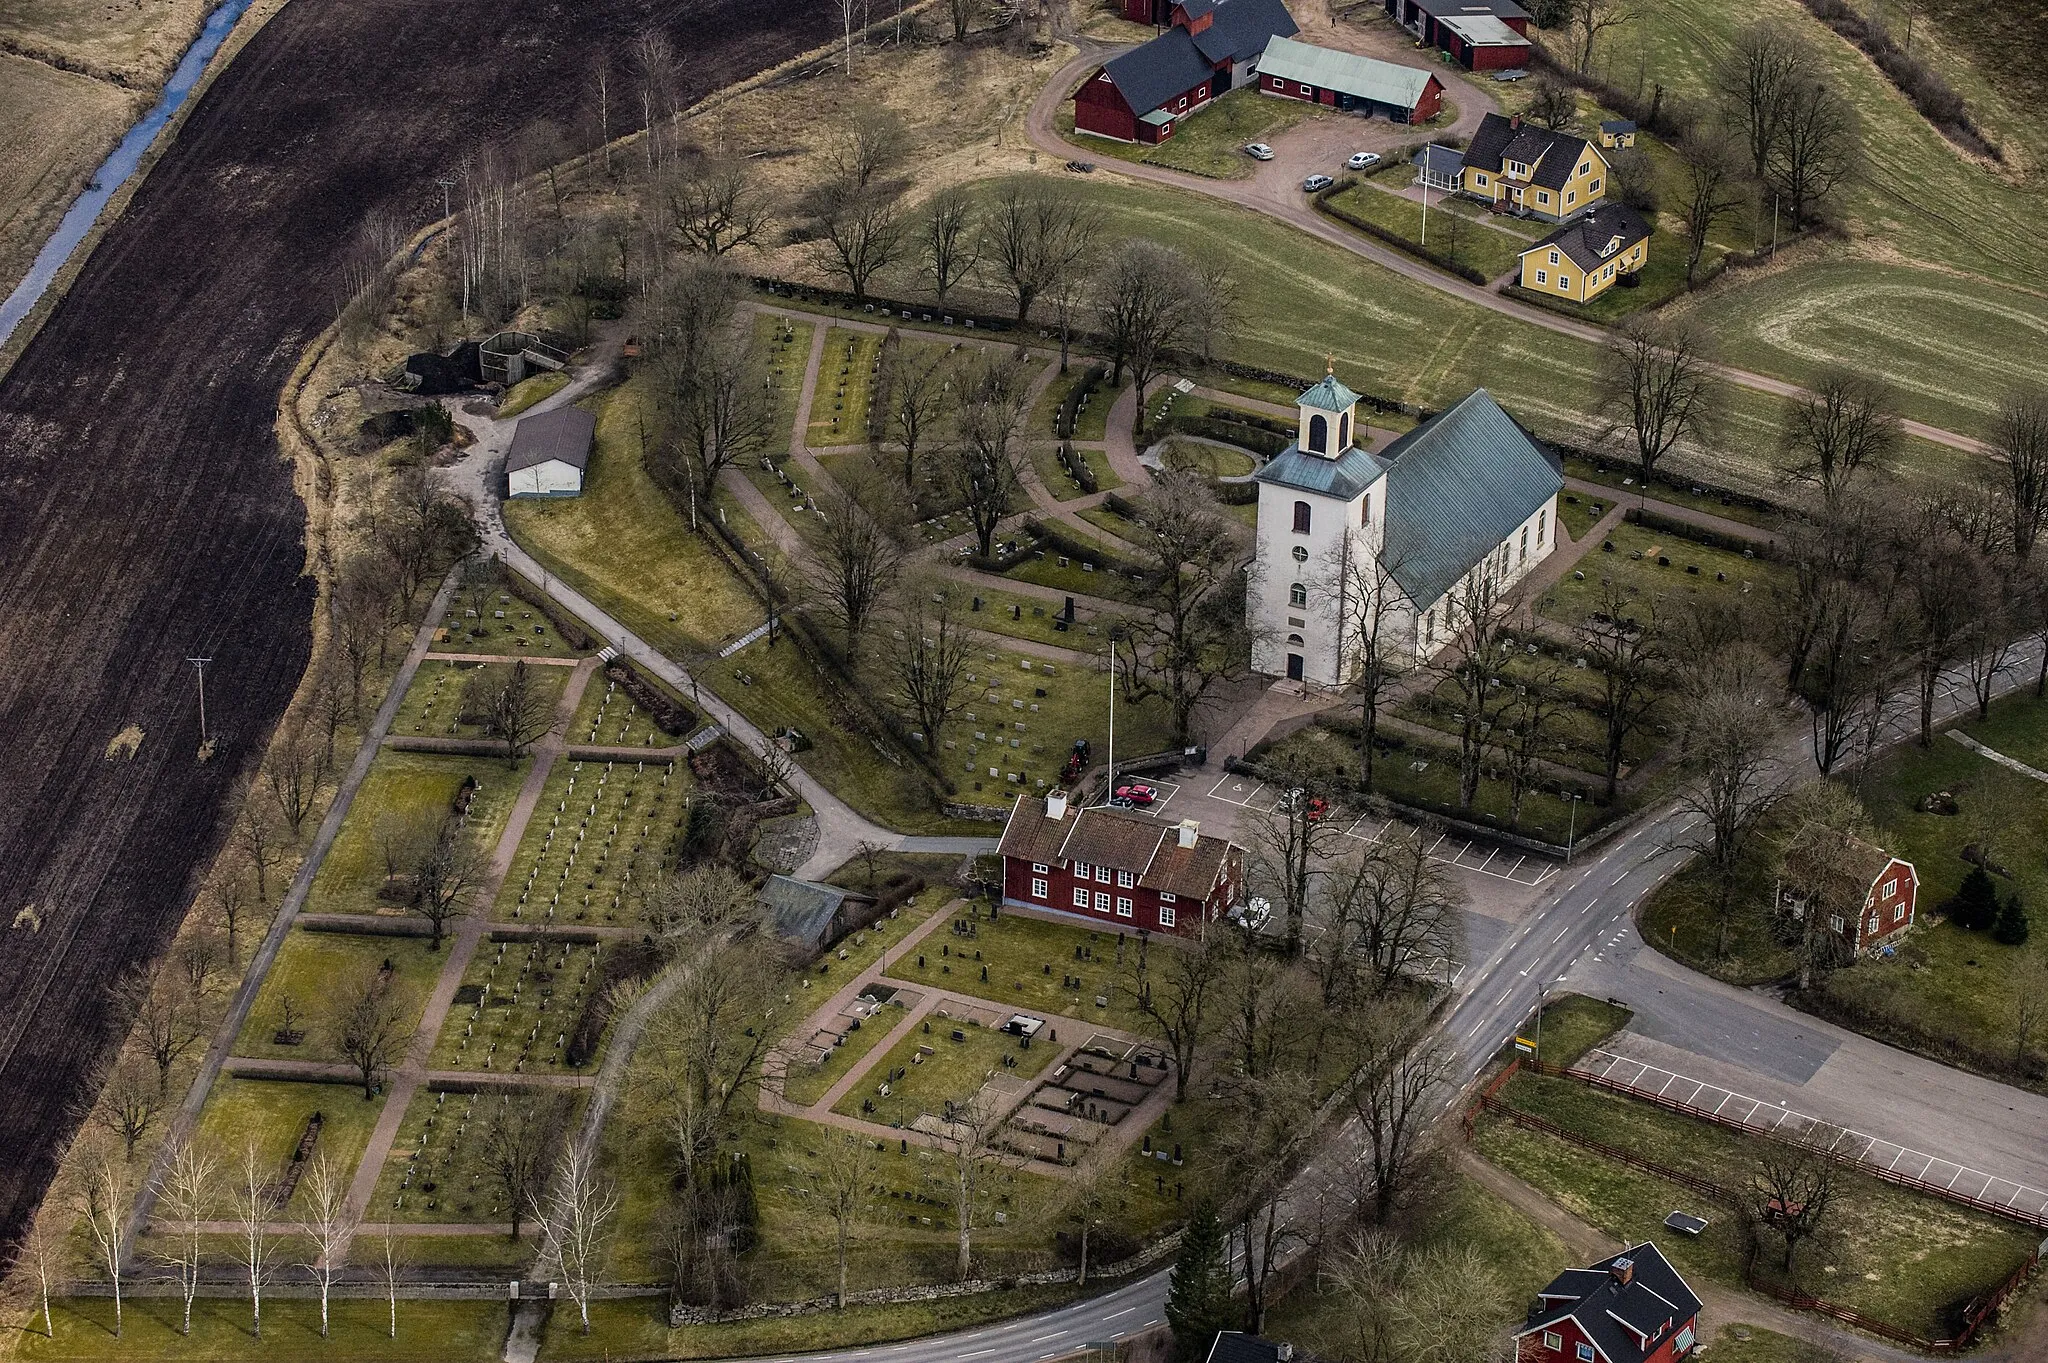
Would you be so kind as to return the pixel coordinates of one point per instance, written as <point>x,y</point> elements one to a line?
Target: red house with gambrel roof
<point>1632,1308</point>
<point>1117,869</point>
<point>1892,895</point>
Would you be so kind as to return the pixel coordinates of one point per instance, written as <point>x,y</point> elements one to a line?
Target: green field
<point>275,1115</point>
<point>1481,246</point>
<point>403,788</point>
<point>311,970</point>
<point>527,392</point>
<point>428,1331</point>
<point>597,834</point>
<point>839,409</point>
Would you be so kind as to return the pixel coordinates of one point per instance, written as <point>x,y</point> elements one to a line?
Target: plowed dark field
<point>145,512</point>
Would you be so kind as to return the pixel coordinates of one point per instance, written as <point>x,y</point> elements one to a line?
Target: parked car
<point>1509,75</point>
<point>1314,807</point>
<point>1258,151</point>
<point>1136,795</point>
<point>1361,159</point>
<point>1316,182</point>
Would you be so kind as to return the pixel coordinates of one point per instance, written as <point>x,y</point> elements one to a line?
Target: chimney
<point>1624,1271</point>
<point>1514,120</point>
<point>1284,1352</point>
<point>1056,806</point>
<point>1189,831</point>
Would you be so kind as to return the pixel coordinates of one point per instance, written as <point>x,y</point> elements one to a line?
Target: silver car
<point>1361,159</point>
<point>1316,182</point>
<point>1258,151</point>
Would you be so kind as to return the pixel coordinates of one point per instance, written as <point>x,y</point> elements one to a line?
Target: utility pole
<point>201,663</point>
<point>446,185</point>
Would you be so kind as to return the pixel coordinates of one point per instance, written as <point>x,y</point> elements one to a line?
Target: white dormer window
<point>1125,879</point>
<point>1080,870</point>
<point>1038,868</point>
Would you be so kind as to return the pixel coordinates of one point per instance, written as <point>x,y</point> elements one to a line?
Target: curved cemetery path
<point>145,515</point>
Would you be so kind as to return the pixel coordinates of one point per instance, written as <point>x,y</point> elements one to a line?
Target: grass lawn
<point>473,625</point>
<point>607,716</point>
<point>1090,423</point>
<point>428,1331</point>
<point>1575,1024</point>
<point>1892,1254</point>
<point>403,787</point>
<point>862,949</point>
<point>846,375</point>
<point>785,347</point>
<point>1082,577</point>
<point>1102,518</point>
<point>598,828</point>
<point>441,1141</point>
<point>313,970</point>
<point>529,391</point>
<point>1679,921</point>
<point>434,700</point>
<point>1627,494</point>
<point>624,546</point>
<point>1212,142</point>
<point>1018,616</point>
<point>1474,244</point>
<point>530,1000</point>
<point>1575,735</point>
<point>1026,959</point>
<point>1577,514</point>
<point>1572,599</point>
<point>937,1070</point>
<point>1754,1344</point>
<point>805,1084</point>
<point>1045,461</point>
<point>639,1328</point>
<point>274,1114</point>
<point>1196,456</point>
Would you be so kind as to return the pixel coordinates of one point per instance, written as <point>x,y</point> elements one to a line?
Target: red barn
<point>1117,869</point>
<point>1891,896</point>
<point>1481,35</point>
<point>1343,80</point>
<point>1213,46</point>
<point>1632,1308</point>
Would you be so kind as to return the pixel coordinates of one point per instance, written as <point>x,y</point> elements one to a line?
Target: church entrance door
<point>1294,667</point>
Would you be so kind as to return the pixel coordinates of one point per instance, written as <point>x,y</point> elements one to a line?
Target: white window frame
<point>1571,196</point>
<point>1165,898</point>
<point>1835,922</point>
<point>1080,870</point>
<point>1126,879</point>
<point>1038,887</point>
<point>1123,906</point>
<point>1553,257</point>
<point>1080,898</point>
<point>1564,283</point>
<point>1593,188</point>
<point>1166,914</point>
<point>1543,276</point>
<point>1102,875</point>
<point>1870,923</point>
<point>1543,196</point>
<point>1102,901</point>
<point>1039,868</point>
<point>1522,556</point>
<point>1552,1340</point>
<point>1542,525</point>
<point>1584,1352</point>
<point>1297,596</point>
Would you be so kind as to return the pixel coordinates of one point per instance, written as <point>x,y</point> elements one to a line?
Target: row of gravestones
<point>566,1007</point>
<point>602,859</point>
<point>438,1152</point>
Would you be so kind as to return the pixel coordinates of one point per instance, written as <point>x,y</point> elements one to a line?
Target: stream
<point>120,164</point>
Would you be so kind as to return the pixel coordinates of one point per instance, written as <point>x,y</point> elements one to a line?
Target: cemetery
<point>280,1115</point>
<point>521,1005</point>
<point>1084,1099</point>
<point>293,1017</point>
<point>446,1164</point>
<point>846,382</point>
<point>787,345</point>
<point>611,715</point>
<point>485,616</point>
<point>404,790</point>
<point>600,828</point>
<point>441,702</point>
<point>1031,965</point>
<point>949,1057</point>
<point>1649,564</point>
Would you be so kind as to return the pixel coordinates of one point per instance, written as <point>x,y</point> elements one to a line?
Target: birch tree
<point>328,1226</point>
<point>185,1198</point>
<point>576,1219</point>
<point>109,1192</point>
<point>252,1204</point>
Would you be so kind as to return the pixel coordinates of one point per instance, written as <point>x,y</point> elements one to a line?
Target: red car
<point>1137,795</point>
<point>1313,810</point>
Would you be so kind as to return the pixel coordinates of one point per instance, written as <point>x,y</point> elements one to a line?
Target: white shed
<point>550,452</point>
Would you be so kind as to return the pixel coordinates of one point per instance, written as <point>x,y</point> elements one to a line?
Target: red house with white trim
<point>1212,47</point>
<point>1632,1308</point>
<point>1117,869</point>
<point>1888,904</point>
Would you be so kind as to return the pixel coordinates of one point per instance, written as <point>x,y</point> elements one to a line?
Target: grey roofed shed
<point>1458,486</point>
<point>1346,73</point>
<point>1439,163</point>
<point>563,434</point>
<point>806,912</point>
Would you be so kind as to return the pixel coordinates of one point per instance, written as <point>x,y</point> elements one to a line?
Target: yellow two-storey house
<point>1518,166</point>
<point>1582,259</point>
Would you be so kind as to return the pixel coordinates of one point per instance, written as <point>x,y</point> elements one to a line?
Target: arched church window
<point>1294,641</point>
<point>1344,432</point>
<point>1297,596</point>
<point>1301,516</point>
<point>1319,434</point>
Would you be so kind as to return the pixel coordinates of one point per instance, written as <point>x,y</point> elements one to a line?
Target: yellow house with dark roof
<point>1582,259</point>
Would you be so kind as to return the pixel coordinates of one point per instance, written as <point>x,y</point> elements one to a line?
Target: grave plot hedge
<point>1070,407</point>
<point>1696,534</point>
<point>621,965</point>
<point>1077,467</point>
<point>670,717</point>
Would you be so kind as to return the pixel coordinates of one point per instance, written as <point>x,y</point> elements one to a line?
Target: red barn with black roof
<point>1213,46</point>
<point>1631,1308</point>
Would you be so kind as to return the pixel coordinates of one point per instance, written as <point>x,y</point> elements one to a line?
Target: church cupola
<point>1328,416</point>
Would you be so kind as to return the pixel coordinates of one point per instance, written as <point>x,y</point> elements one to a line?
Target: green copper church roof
<point>1329,395</point>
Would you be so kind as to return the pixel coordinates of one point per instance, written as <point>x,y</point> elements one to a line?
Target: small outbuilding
<point>1439,167</point>
<point>806,913</point>
<point>1618,132</point>
<point>1481,35</point>
<point>1348,82</point>
<point>550,453</point>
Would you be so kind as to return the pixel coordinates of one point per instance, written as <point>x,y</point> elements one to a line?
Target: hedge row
<point>568,626</point>
<point>1076,465</point>
<point>1070,406</point>
<point>1932,95</point>
<point>671,717</point>
<point>1399,242</point>
<point>1052,537</point>
<point>1697,534</point>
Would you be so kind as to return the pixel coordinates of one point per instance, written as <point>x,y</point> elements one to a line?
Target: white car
<point>1316,183</point>
<point>1361,159</point>
<point>1258,151</point>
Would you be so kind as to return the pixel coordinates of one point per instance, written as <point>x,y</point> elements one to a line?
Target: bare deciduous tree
<point>860,230</point>
<point>184,1201</point>
<point>327,1226</point>
<point>1475,653</point>
<point>1399,907</point>
<point>984,463</point>
<point>1292,846</point>
<point>1150,305</point>
<point>372,1024</point>
<point>251,1201</point>
<point>911,393</point>
<point>716,204</point>
<point>576,1217</point>
<point>130,1097</point>
<point>1623,641</point>
<point>926,663</point>
<point>295,771</point>
<point>1845,423</point>
<point>518,1148</point>
<point>976,1162</point>
<point>390,1267</point>
<point>1752,81</point>
<point>518,712</point>
<point>1732,778</point>
<point>872,140</point>
<point>1371,608</point>
<point>946,238</point>
<point>1195,638</point>
<point>1555,105</point>
<point>844,1174</point>
<point>1794,1184</point>
<point>1170,984</point>
<point>1393,1095</point>
<point>109,1191</point>
<point>711,1041</point>
<point>1818,150</point>
<point>1588,19</point>
<point>2027,1000</point>
<point>854,559</point>
<point>1658,390</point>
<point>1034,231</point>
<point>258,841</point>
<point>1709,189</point>
<point>167,1020</point>
<point>2019,438</point>
<point>1257,1151</point>
<point>199,956</point>
<point>447,869</point>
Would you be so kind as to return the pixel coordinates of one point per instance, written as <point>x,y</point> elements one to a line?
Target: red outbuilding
<point>1117,869</point>
<point>1481,35</point>
<point>1212,47</point>
<point>1632,1308</point>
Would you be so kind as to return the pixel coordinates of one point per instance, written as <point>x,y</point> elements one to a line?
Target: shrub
<point>2012,927</point>
<point>1975,902</point>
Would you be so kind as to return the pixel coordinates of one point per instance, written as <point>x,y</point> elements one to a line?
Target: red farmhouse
<point>1213,46</point>
<point>1632,1308</point>
<point>1888,903</point>
<point>1115,868</point>
<point>1480,35</point>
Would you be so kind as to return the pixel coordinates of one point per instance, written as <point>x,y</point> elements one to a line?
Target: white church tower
<point>1322,511</point>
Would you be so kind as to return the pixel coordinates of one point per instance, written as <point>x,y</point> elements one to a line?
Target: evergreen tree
<point>2012,927</point>
<point>1975,905</point>
<point>1198,1301</point>
<point>746,1210</point>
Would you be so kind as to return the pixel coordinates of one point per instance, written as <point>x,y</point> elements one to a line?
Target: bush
<point>1921,84</point>
<point>1070,406</point>
<point>1076,464</point>
<point>2012,927</point>
<point>1975,902</point>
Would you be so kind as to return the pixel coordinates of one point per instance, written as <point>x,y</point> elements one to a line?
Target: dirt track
<point>145,513</point>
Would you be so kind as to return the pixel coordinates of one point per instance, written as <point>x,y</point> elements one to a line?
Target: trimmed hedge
<point>1070,406</point>
<point>1399,242</point>
<point>1232,431</point>
<point>571,629</point>
<point>670,717</point>
<point>1697,534</point>
<point>1052,537</point>
<point>1076,465</point>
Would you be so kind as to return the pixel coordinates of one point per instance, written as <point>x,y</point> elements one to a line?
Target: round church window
<point>1301,553</point>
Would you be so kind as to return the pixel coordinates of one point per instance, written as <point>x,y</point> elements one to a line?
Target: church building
<point>1449,516</point>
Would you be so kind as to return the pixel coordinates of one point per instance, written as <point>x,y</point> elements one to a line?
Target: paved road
<point>1275,190</point>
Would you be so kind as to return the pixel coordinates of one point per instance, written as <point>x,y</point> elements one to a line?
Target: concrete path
<point>187,1116</point>
<point>1275,190</point>
<point>2009,763</point>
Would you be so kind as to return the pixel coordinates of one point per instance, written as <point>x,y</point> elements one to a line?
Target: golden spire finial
<point>1329,365</point>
